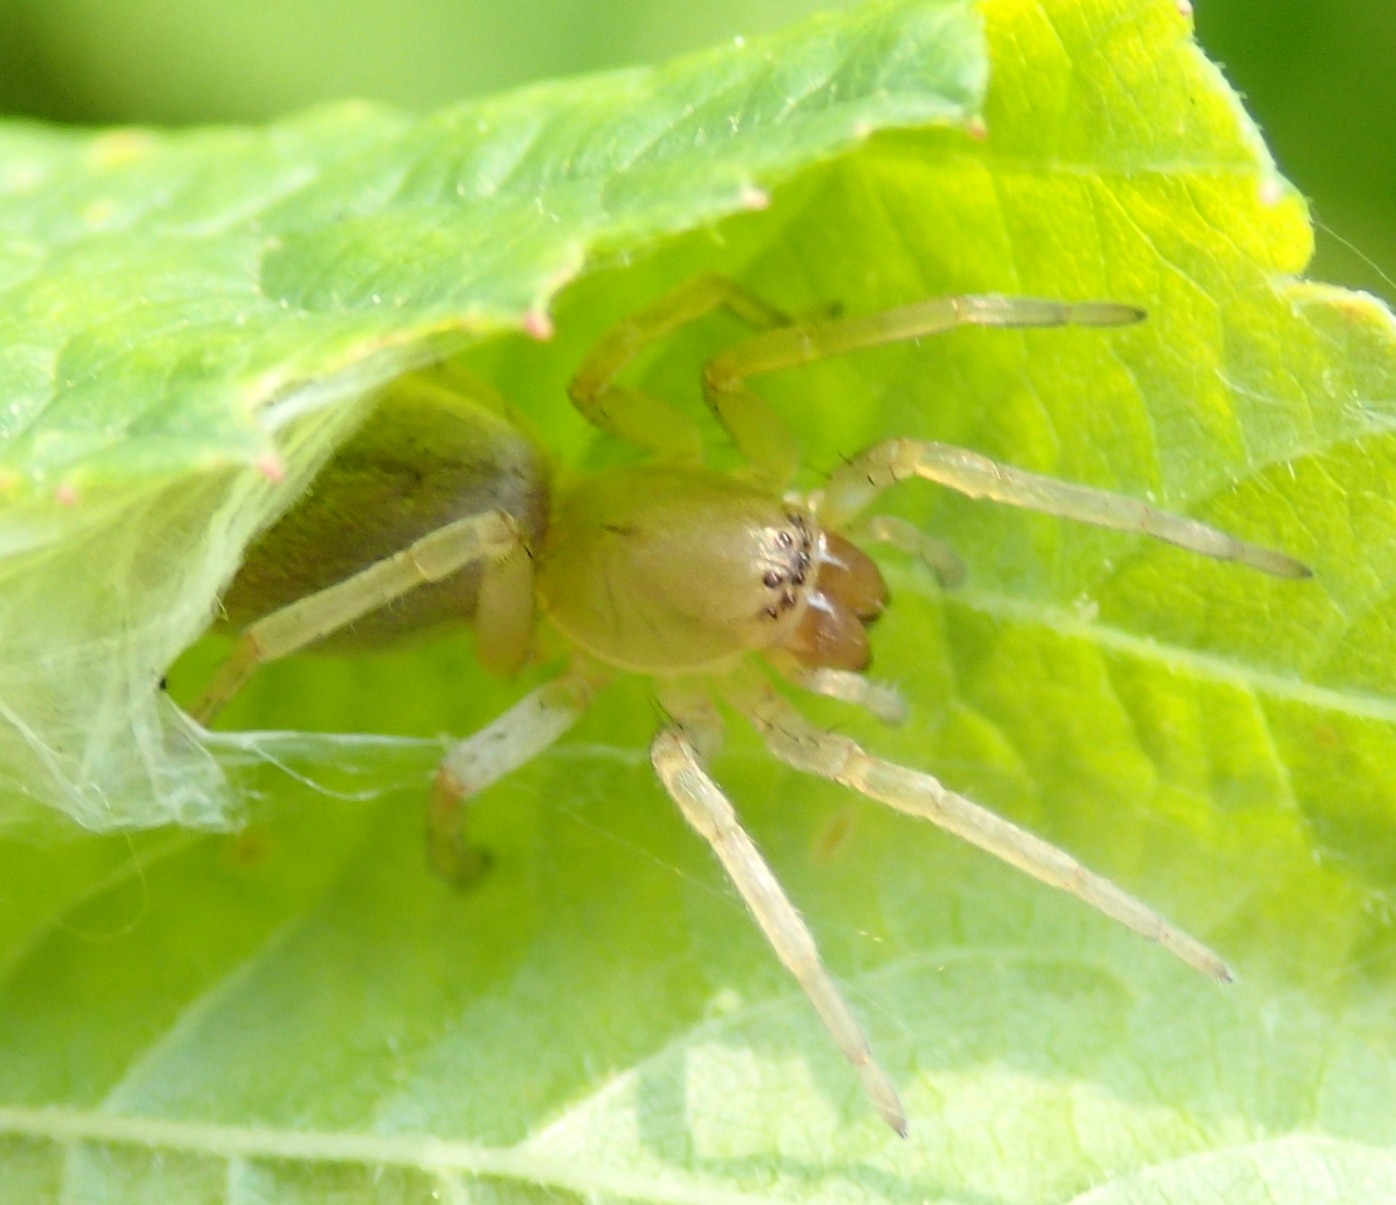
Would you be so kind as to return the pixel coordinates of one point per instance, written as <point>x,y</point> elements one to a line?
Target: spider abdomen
<point>426,456</point>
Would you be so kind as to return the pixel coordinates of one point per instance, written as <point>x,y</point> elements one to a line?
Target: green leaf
<point>181,308</point>
<point>300,1012</point>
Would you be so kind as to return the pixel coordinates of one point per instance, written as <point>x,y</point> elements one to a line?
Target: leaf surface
<point>299,1012</point>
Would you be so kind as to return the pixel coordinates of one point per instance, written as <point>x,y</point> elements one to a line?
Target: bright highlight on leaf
<point>195,321</point>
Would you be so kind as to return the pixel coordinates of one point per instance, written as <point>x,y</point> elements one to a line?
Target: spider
<point>714,585</point>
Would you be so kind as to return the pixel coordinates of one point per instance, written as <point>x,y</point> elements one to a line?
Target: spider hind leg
<point>527,729</point>
<point>678,760</point>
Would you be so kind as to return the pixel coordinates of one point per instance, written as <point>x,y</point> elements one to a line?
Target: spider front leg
<point>847,686</point>
<point>679,764</point>
<point>522,733</point>
<point>752,423</point>
<point>794,740</point>
<point>852,488</point>
<point>506,601</point>
<point>906,537</point>
<point>649,422</point>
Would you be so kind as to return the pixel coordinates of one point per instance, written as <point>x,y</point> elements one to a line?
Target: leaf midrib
<point>1207,666</point>
<point>67,1127</point>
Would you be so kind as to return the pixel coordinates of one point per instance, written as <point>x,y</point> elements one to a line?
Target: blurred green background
<point>1320,77</point>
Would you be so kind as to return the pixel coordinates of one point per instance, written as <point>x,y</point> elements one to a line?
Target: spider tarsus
<point>456,862</point>
<point>1279,564</point>
<point>1104,313</point>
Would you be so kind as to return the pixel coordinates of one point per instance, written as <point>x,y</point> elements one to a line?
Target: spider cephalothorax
<point>664,570</point>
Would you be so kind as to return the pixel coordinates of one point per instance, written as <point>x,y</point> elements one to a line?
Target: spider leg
<point>798,343</point>
<point>791,345</point>
<point>637,416</point>
<point>748,418</point>
<point>906,537</point>
<point>523,732</point>
<point>853,487</point>
<point>493,537</point>
<point>794,740</point>
<point>680,767</point>
<point>877,698</point>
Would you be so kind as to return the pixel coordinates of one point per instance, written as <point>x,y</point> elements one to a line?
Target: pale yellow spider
<point>441,511</point>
